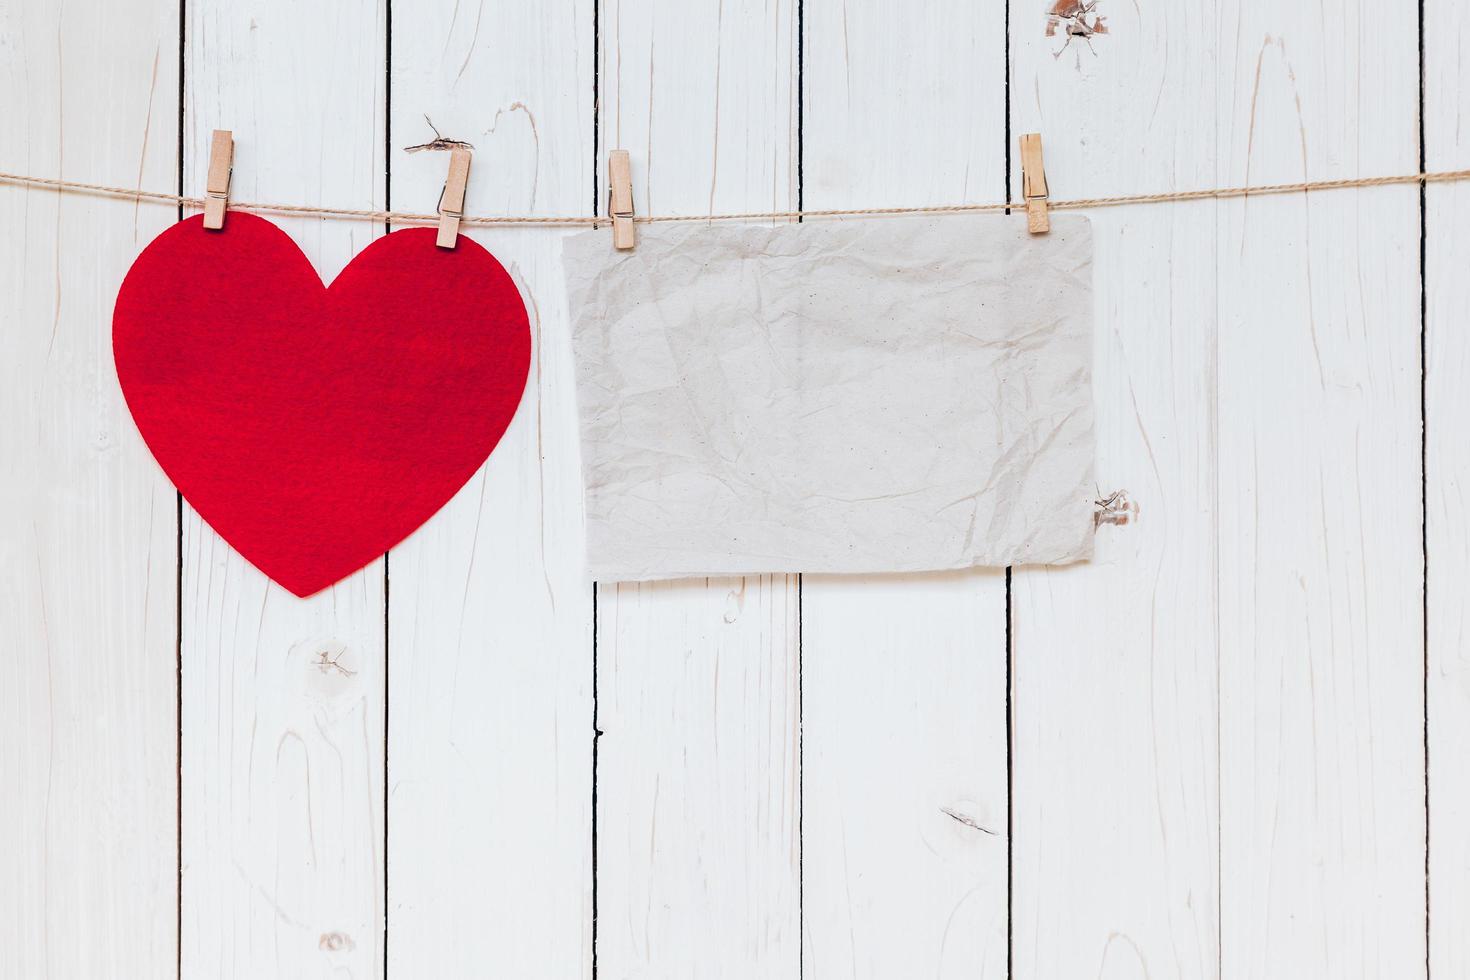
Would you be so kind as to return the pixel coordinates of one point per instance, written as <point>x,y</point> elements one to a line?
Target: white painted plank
<point>698,798</point>
<point>1321,625</point>
<point>698,853</point>
<point>88,523</point>
<point>490,615</point>
<point>904,776</point>
<point>904,783</point>
<point>1447,406</point>
<point>283,697</point>
<point>1114,764</point>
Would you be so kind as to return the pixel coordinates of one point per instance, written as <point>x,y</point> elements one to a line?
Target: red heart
<point>314,428</point>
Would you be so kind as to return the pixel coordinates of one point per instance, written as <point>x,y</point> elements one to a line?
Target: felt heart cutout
<point>316,427</point>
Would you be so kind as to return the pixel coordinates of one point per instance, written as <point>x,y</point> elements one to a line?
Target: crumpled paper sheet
<point>875,395</point>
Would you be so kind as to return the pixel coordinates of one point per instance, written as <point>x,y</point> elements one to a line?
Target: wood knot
<point>1116,508</point>
<point>1075,20</point>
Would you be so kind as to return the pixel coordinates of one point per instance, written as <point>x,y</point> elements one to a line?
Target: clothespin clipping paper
<point>1033,185</point>
<point>620,196</point>
<point>217,184</point>
<point>451,203</point>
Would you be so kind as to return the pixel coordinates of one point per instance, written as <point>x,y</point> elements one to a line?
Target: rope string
<point>410,218</point>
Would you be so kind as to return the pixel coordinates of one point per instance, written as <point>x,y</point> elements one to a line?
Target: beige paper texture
<point>876,395</point>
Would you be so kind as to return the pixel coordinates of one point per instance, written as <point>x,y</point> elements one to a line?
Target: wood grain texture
<point>904,775</point>
<point>1218,763</point>
<point>697,685</point>
<point>1321,602</point>
<point>282,772</point>
<point>88,855</point>
<point>904,677</point>
<point>1447,493</point>
<point>1114,661</point>
<point>490,616</point>
<point>1318,870</point>
<point>698,790</point>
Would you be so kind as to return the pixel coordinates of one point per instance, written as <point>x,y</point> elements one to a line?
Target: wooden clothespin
<point>1033,185</point>
<point>451,202</point>
<point>217,184</point>
<point>620,199</point>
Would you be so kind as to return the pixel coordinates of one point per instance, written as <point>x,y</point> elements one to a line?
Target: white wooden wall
<point>1232,746</point>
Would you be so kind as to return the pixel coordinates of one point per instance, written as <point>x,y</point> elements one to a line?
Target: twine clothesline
<point>411,218</point>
